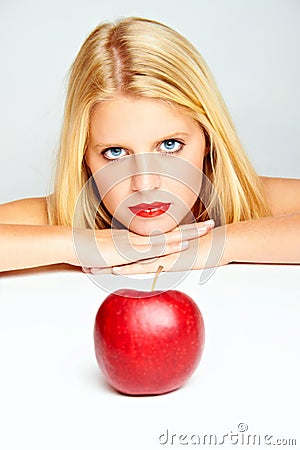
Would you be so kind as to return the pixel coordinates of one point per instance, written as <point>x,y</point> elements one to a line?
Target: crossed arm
<point>274,239</point>
<point>27,241</point>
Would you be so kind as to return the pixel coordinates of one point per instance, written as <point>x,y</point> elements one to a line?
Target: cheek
<point>92,162</point>
<point>198,157</point>
<point>186,184</point>
<point>183,191</point>
<point>114,197</point>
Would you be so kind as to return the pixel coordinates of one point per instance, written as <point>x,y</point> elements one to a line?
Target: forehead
<point>142,116</point>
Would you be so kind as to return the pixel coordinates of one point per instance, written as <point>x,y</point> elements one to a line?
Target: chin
<point>149,227</point>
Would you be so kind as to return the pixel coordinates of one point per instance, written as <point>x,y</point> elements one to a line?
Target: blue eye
<point>113,153</point>
<point>171,145</point>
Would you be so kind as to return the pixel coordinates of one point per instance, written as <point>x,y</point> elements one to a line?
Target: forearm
<point>27,246</point>
<point>266,240</point>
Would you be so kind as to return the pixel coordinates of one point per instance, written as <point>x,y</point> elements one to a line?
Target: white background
<point>252,47</point>
<point>53,396</point>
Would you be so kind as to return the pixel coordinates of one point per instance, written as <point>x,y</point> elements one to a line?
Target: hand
<point>100,252</point>
<point>203,252</point>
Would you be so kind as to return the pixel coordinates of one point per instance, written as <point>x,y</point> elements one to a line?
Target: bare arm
<point>268,240</point>
<point>26,240</point>
<point>274,239</point>
<point>27,246</point>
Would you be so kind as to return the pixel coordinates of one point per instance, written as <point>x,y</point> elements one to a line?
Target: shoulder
<point>282,194</point>
<point>28,211</point>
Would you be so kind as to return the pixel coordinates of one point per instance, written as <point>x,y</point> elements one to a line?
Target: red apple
<point>148,342</point>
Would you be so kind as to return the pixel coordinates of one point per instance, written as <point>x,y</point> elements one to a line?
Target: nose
<point>145,177</point>
<point>145,181</point>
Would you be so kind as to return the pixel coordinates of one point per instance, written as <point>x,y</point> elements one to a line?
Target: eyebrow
<point>175,135</point>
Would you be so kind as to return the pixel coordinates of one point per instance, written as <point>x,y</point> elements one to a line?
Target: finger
<point>133,255</point>
<point>182,233</point>
<point>94,270</point>
<point>170,262</point>
<point>145,267</point>
<point>148,265</point>
<point>132,269</point>
<point>185,233</point>
<point>100,270</point>
<point>151,251</point>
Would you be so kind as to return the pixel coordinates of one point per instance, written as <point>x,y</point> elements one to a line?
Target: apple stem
<point>159,270</point>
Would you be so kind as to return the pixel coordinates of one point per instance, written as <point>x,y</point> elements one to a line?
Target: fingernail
<point>158,240</point>
<point>202,230</point>
<point>209,223</point>
<point>116,270</point>
<point>183,245</point>
<point>96,271</point>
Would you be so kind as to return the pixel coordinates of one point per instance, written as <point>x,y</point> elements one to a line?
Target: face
<point>146,158</point>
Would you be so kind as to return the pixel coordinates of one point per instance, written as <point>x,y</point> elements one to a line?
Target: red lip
<point>150,209</point>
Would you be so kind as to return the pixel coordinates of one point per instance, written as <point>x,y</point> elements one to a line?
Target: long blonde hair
<point>140,57</point>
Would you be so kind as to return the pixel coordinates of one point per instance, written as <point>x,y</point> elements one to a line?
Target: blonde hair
<point>141,57</point>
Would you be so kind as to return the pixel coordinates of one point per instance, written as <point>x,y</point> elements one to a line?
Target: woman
<point>148,146</point>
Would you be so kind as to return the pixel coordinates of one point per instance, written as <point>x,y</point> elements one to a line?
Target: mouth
<point>150,210</point>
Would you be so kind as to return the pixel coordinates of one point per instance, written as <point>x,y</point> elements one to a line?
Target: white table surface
<point>53,396</point>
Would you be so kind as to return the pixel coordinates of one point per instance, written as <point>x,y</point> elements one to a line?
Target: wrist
<point>221,248</point>
<point>227,256</point>
<point>237,235</point>
<point>65,247</point>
